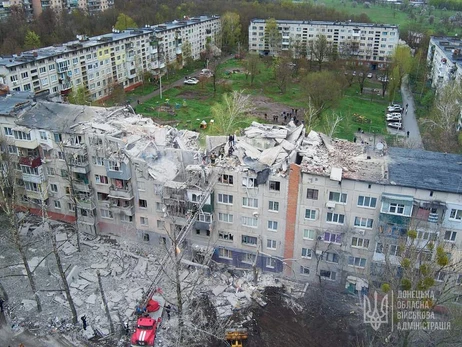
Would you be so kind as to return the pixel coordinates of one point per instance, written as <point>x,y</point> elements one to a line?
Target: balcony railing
<point>125,192</point>
<point>30,161</point>
<point>82,167</point>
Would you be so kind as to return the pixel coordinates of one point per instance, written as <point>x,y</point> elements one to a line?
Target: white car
<point>394,117</point>
<point>369,75</point>
<point>395,108</point>
<point>191,80</point>
<point>206,72</point>
<point>396,125</point>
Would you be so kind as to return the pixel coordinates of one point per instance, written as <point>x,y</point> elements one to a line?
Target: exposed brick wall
<point>291,217</point>
<point>53,215</point>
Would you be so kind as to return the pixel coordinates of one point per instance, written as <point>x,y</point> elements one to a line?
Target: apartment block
<point>444,59</point>
<point>285,201</point>
<point>98,63</point>
<point>373,43</point>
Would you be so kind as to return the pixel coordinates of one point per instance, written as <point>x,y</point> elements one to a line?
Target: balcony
<point>33,178</point>
<point>81,186</point>
<point>126,210</point>
<point>125,192</point>
<point>40,195</point>
<point>86,204</point>
<point>80,167</point>
<point>29,144</point>
<point>30,161</point>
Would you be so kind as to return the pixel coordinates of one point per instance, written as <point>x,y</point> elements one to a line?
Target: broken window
<point>226,179</point>
<point>304,270</point>
<point>225,236</point>
<point>275,186</point>
<point>249,182</point>
<point>143,203</point>
<point>225,253</point>
<point>330,275</point>
<point>249,258</point>
<point>271,263</point>
<point>145,237</point>
<point>249,240</point>
<point>312,194</point>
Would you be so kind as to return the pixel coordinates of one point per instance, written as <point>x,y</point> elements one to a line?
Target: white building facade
<point>98,63</point>
<point>300,206</point>
<point>373,43</point>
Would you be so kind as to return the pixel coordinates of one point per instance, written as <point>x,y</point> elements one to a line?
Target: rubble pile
<point>127,271</point>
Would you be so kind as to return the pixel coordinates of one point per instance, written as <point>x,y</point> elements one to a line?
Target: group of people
<point>286,116</point>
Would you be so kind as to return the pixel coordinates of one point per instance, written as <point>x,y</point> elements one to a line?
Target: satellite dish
<point>379,146</point>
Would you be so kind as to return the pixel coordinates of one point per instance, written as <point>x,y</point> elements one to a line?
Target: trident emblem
<point>373,316</point>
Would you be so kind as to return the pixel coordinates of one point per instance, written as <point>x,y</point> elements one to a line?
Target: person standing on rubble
<point>84,322</point>
<point>168,309</point>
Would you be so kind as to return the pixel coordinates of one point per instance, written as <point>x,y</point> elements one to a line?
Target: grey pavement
<point>409,120</point>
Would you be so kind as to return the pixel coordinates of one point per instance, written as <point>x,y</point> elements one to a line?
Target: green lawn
<point>188,106</point>
<point>390,14</point>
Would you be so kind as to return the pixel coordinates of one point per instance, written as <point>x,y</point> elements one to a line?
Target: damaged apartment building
<point>298,204</point>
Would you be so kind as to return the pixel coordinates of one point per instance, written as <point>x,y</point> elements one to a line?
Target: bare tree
<point>49,227</point>
<point>228,114</point>
<point>9,195</point>
<point>332,122</point>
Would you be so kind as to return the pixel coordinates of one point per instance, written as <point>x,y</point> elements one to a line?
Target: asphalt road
<point>409,121</point>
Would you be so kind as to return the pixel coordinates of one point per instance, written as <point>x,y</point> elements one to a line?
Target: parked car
<point>206,72</point>
<point>395,108</point>
<point>394,117</point>
<point>191,80</point>
<point>369,75</point>
<point>396,125</point>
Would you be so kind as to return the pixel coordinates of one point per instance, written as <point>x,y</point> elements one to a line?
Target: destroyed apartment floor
<point>127,271</point>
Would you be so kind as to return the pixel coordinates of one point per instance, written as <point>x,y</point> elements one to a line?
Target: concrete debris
<point>88,276</point>
<point>91,299</point>
<point>61,237</point>
<point>68,248</point>
<point>218,290</point>
<point>99,266</point>
<point>28,305</point>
